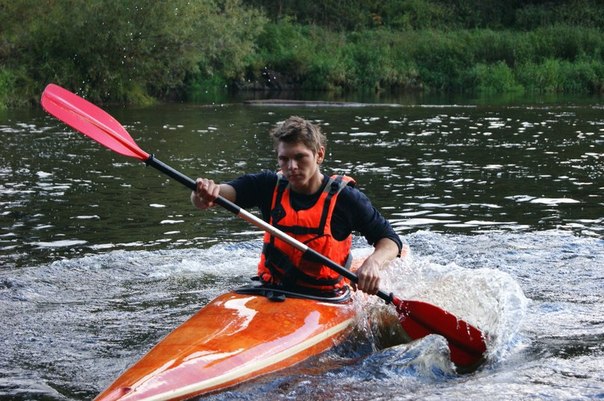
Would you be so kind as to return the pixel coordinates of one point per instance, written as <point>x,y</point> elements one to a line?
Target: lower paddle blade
<point>420,319</point>
<point>90,120</point>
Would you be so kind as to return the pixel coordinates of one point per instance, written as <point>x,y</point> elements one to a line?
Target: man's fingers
<point>368,283</point>
<point>206,191</point>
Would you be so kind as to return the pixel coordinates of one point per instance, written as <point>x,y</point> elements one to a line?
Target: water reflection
<point>448,168</point>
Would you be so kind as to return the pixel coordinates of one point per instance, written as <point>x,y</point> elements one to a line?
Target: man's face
<point>300,165</point>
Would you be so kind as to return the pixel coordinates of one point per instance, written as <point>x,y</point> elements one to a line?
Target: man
<point>318,210</point>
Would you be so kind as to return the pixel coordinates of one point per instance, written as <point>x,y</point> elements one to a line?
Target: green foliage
<point>336,15</point>
<point>381,60</point>
<point>316,58</point>
<point>310,57</point>
<point>126,51</point>
<point>6,87</point>
<point>287,47</point>
<point>492,79</point>
<point>552,59</point>
<point>358,15</point>
<point>580,13</point>
<point>416,14</point>
<point>560,76</point>
<point>134,51</point>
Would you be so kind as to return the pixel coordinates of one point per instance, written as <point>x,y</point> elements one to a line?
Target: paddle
<point>417,318</point>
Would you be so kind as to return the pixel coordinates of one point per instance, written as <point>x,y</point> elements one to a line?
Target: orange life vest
<point>281,263</point>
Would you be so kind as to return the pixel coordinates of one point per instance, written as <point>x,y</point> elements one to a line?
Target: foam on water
<point>91,317</point>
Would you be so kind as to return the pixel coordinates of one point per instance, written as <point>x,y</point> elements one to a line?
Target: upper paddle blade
<point>90,120</point>
<point>420,319</point>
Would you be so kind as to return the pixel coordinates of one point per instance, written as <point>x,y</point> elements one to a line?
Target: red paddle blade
<point>466,342</point>
<point>90,120</point>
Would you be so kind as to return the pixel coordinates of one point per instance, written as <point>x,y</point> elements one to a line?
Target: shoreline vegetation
<point>136,52</point>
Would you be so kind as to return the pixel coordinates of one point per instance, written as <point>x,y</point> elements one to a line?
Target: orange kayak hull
<point>234,338</point>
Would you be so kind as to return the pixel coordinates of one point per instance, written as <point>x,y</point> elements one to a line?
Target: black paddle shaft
<point>188,182</point>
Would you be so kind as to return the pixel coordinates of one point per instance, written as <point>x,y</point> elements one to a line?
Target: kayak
<point>238,336</point>
<point>234,339</point>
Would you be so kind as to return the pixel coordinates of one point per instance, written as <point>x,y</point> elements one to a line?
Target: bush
<point>307,57</point>
<point>547,59</point>
<point>6,87</point>
<point>127,51</point>
<point>560,76</point>
<point>492,79</point>
<point>578,13</point>
<point>136,51</point>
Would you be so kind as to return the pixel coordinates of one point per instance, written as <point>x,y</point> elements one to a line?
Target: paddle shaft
<point>309,253</point>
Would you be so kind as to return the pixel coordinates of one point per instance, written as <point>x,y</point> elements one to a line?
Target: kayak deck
<point>234,338</point>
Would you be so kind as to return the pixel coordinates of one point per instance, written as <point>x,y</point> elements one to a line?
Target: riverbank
<point>111,52</point>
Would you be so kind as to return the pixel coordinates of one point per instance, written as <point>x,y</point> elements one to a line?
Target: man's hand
<point>369,276</point>
<point>369,272</point>
<point>205,194</point>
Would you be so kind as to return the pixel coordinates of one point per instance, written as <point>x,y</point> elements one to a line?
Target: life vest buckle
<point>275,297</point>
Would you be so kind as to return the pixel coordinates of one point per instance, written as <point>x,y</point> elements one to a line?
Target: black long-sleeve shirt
<point>353,211</point>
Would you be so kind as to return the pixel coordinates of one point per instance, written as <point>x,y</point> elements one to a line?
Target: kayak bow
<point>234,338</point>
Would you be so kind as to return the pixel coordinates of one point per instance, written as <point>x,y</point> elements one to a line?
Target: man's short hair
<point>298,130</point>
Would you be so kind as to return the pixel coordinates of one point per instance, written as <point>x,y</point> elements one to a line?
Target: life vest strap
<point>332,188</point>
<point>282,267</point>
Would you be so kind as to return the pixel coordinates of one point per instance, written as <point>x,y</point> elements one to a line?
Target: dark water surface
<point>502,206</point>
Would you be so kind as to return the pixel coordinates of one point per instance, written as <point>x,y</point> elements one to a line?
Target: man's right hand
<point>205,194</point>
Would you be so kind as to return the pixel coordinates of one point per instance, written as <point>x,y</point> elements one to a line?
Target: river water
<point>502,207</point>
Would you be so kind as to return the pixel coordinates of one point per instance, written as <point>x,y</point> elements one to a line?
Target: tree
<point>123,50</point>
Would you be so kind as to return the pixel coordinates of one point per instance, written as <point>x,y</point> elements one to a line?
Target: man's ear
<point>321,154</point>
